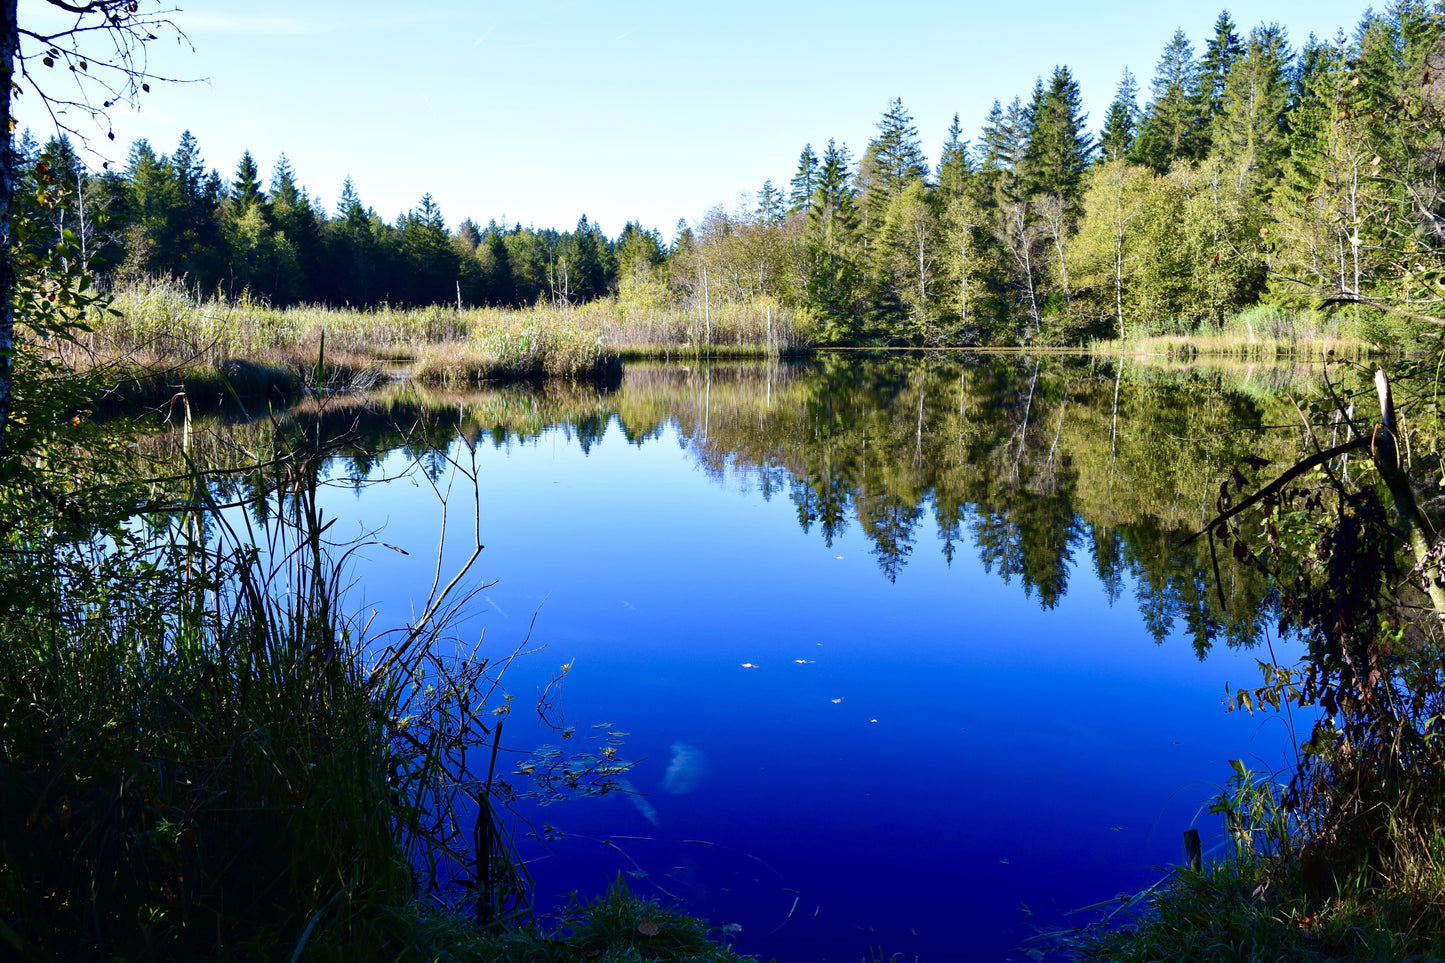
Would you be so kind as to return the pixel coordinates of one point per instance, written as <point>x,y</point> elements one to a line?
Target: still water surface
<point>905,654</point>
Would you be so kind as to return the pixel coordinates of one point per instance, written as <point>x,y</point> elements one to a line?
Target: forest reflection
<point>1039,465</point>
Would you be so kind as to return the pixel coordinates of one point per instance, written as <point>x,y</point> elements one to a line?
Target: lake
<point>907,650</point>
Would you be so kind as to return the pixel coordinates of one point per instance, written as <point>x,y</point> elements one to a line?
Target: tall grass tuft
<point>156,334</point>
<point>1261,333</point>
<point>201,752</point>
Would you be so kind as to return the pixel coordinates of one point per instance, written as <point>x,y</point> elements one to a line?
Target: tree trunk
<point>9,43</point>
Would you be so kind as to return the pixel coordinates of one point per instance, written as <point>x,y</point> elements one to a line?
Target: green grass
<point>156,334</point>
<point>1260,334</point>
<point>1218,914</point>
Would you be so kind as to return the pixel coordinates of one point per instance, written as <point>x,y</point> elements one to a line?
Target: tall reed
<point>203,753</point>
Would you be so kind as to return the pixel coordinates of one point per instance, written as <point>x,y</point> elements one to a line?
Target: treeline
<point>166,215</point>
<point>1253,173</point>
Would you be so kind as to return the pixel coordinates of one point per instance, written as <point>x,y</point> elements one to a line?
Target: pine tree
<point>501,286</point>
<point>804,182</point>
<point>1219,57</point>
<point>582,264</point>
<point>1249,133</point>
<point>770,205</point>
<point>1001,151</point>
<point>910,240</point>
<point>299,269</point>
<point>1312,249</point>
<point>955,163</point>
<point>155,211</point>
<point>283,182</point>
<point>469,234</point>
<point>246,190</point>
<point>1121,124</point>
<point>1059,145</point>
<point>833,219</point>
<point>893,160</point>
<point>431,260</point>
<point>190,169</point>
<point>356,275</point>
<point>1168,131</point>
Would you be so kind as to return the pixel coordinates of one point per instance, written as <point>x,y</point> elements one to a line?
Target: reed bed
<point>1262,333</point>
<point>155,335</point>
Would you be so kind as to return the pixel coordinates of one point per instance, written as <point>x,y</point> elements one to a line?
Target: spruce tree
<point>1001,150</point>
<point>1121,124</point>
<point>1249,133</point>
<point>832,220</point>
<point>1220,54</point>
<point>501,286</point>
<point>893,160</point>
<point>955,164</point>
<point>1169,129</point>
<point>1060,145</point>
<point>770,205</point>
<point>804,182</point>
<point>246,189</point>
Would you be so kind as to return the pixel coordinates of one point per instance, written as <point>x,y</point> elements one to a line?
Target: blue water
<point>828,761</point>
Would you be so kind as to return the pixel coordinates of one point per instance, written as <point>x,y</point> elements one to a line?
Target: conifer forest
<point>1251,168</point>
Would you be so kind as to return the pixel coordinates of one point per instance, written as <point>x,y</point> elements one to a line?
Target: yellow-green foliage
<point>161,324</point>
<point>1261,333</point>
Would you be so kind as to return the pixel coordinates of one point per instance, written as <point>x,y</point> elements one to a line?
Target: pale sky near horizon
<point>542,111</point>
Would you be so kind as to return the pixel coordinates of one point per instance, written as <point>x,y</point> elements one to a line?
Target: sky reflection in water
<point>829,759</point>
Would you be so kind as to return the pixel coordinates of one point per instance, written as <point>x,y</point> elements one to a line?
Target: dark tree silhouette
<point>101,46</point>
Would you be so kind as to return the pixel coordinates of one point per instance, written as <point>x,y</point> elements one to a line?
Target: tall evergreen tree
<point>1001,149</point>
<point>430,258</point>
<point>804,182</point>
<point>246,189</point>
<point>1220,53</point>
<point>833,219</point>
<point>1059,145</point>
<point>1121,124</point>
<point>955,163</point>
<point>1249,133</point>
<point>770,205</point>
<point>582,263</point>
<point>893,160</point>
<point>1168,131</point>
<point>497,266</point>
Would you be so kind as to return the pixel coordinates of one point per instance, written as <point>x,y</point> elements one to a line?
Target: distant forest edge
<point>1255,176</point>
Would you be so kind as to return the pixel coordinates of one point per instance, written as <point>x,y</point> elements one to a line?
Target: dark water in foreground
<point>906,652</point>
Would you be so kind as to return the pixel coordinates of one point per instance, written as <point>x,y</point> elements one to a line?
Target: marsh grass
<point>153,335</point>
<point>1218,914</point>
<point>1258,900</point>
<point>202,754</point>
<point>1261,334</point>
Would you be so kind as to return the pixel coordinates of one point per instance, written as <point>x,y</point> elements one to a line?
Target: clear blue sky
<point>541,111</point>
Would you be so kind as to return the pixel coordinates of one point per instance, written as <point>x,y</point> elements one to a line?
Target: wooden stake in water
<point>1193,855</point>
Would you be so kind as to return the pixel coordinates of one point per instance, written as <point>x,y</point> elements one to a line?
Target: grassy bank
<point>1261,334</point>
<point>153,337</point>
<point>156,336</point>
